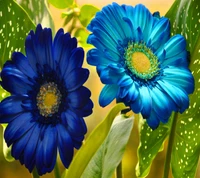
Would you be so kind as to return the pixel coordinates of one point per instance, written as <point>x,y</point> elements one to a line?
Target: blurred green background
<point>15,170</point>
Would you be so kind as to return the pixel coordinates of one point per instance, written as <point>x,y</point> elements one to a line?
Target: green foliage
<point>186,148</point>
<point>61,4</point>
<point>151,142</point>
<point>92,144</point>
<point>14,26</point>
<point>184,16</point>
<point>110,153</point>
<point>86,14</point>
<point>7,150</point>
<point>38,12</point>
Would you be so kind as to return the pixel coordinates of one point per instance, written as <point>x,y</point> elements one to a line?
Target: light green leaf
<point>14,26</point>
<point>82,34</point>
<point>3,93</point>
<point>109,155</point>
<point>38,12</point>
<point>61,4</point>
<point>86,14</point>
<point>151,142</point>
<point>186,150</point>
<point>92,143</point>
<point>7,150</point>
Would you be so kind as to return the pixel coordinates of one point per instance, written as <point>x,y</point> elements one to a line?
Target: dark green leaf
<point>92,143</point>
<point>151,142</point>
<point>38,12</point>
<point>86,14</point>
<point>68,19</point>
<point>61,4</point>
<point>186,148</point>
<point>109,155</point>
<point>14,26</point>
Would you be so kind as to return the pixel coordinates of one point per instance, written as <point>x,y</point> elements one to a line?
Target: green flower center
<point>141,61</point>
<point>48,99</point>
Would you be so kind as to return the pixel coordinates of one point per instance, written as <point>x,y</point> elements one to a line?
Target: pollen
<point>140,62</point>
<point>48,99</point>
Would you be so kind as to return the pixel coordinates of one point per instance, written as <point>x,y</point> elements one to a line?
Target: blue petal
<point>49,143</point>
<point>65,145</point>
<point>22,64</point>
<point>181,78</point>
<point>162,104</point>
<point>126,80</point>
<point>38,47</point>
<point>175,45</point>
<point>31,147</point>
<point>160,34</point>
<point>14,80</point>
<point>153,120</point>
<point>146,101</point>
<point>18,127</point>
<point>179,96</point>
<point>76,78</point>
<point>179,60</point>
<point>132,93</point>
<point>79,98</point>
<point>143,19</point>
<point>136,105</point>
<point>10,107</point>
<point>75,125</point>
<point>108,94</point>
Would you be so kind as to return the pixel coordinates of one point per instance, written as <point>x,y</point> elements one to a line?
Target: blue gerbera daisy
<point>139,63</point>
<point>48,102</point>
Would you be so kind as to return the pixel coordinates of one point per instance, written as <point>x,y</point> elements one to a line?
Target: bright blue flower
<point>139,63</point>
<point>48,102</point>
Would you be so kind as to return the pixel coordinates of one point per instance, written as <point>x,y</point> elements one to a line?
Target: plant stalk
<point>119,170</point>
<point>56,171</point>
<point>35,173</point>
<point>170,146</point>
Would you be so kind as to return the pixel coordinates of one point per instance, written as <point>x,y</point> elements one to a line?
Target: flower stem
<point>170,146</point>
<point>56,170</point>
<point>119,170</point>
<point>35,173</point>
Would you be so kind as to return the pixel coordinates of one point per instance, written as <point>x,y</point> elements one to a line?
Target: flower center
<point>141,61</point>
<point>48,99</point>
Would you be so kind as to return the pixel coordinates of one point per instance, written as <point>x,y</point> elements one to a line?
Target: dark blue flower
<point>48,102</point>
<point>139,63</point>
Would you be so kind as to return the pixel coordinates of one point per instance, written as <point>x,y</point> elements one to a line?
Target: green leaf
<point>14,26</point>
<point>92,143</point>
<point>38,12</point>
<point>68,19</point>
<point>109,155</point>
<point>7,150</point>
<point>151,142</point>
<point>82,34</point>
<point>86,14</point>
<point>3,93</point>
<point>61,4</point>
<point>186,150</point>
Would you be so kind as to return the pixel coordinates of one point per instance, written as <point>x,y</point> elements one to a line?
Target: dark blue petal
<point>20,144</point>
<point>65,145</point>
<point>78,98</point>
<point>31,147</point>
<point>14,80</point>
<point>22,64</point>
<point>18,127</point>
<point>49,143</point>
<point>76,78</point>
<point>74,124</point>
<point>136,105</point>
<point>10,107</point>
<point>108,94</point>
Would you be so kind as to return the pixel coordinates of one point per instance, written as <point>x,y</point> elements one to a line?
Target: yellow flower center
<point>48,99</point>
<point>140,62</point>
